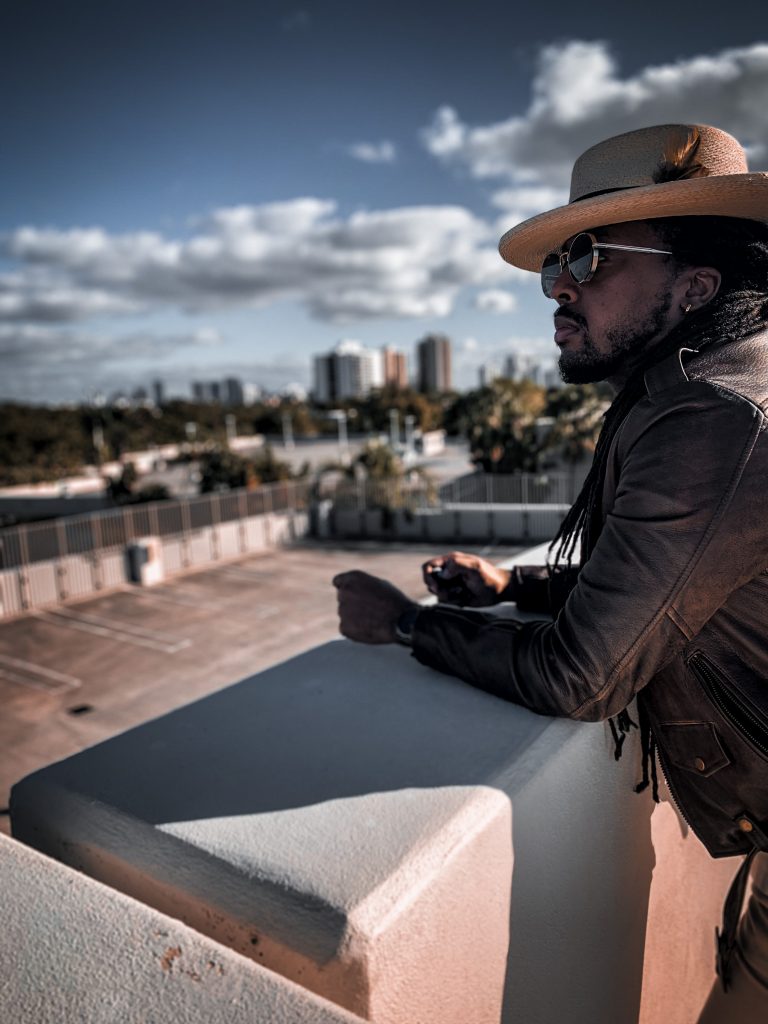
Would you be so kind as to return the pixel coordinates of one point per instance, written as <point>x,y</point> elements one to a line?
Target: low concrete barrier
<point>449,523</point>
<point>41,584</point>
<point>404,845</point>
<point>72,949</point>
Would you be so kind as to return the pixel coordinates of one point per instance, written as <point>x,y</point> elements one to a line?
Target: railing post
<point>96,573</point>
<point>61,572</point>
<point>267,516</point>
<point>154,519</point>
<point>186,529</point>
<point>215,509</point>
<point>242,512</point>
<point>23,570</point>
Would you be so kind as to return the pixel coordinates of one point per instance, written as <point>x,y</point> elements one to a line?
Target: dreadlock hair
<point>739,250</point>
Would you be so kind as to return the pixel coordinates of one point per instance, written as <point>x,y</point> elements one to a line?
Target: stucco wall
<point>72,949</point>
<point>392,839</point>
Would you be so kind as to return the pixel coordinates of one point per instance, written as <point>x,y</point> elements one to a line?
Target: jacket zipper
<point>735,709</point>
<point>673,794</point>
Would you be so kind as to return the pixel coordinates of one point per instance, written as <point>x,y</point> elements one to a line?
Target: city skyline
<point>211,194</point>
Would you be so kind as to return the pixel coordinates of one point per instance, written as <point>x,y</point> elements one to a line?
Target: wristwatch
<point>404,625</point>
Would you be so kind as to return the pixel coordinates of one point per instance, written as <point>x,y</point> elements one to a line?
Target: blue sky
<point>201,190</point>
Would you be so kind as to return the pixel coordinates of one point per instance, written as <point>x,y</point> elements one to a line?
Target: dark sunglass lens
<point>550,271</point>
<point>580,258</point>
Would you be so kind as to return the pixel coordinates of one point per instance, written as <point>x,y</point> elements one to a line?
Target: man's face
<point>603,325</point>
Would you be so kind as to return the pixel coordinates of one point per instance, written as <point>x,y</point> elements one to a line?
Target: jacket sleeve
<point>539,588</point>
<point>688,526</point>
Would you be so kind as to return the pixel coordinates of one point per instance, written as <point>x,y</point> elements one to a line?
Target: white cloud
<point>496,300</point>
<point>407,262</point>
<point>578,98</point>
<point>31,345</point>
<point>384,152</point>
<point>39,299</point>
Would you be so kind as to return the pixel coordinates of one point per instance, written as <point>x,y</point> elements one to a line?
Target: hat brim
<point>723,195</point>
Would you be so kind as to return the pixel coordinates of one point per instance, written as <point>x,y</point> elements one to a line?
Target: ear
<point>700,286</point>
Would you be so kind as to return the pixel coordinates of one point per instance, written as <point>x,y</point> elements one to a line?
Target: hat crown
<point>649,156</point>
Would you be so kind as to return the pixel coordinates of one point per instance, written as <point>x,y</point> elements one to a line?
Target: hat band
<point>604,192</point>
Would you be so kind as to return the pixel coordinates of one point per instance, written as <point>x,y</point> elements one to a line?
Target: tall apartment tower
<point>232,391</point>
<point>395,367</point>
<point>434,362</point>
<point>348,371</point>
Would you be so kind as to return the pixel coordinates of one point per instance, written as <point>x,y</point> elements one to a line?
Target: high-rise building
<point>519,366</point>
<point>486,375</point>
<point>200,391</point>
<point>232,392</point>
<point>348,371</point>
<point>158,392</point>
<point>395,367</point>
<point>434,362</point>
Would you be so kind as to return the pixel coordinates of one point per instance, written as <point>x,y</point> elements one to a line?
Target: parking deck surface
<point>75,674</point>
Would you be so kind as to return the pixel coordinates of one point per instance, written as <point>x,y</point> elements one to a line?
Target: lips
<point>565,329</point>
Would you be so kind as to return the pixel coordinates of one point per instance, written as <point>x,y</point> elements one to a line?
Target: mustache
<point>571,314</point>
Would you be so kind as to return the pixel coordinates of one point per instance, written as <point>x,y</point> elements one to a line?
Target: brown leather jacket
<point>673,600</point>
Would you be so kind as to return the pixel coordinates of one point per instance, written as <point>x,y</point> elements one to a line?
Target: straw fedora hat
<point>669,170</point>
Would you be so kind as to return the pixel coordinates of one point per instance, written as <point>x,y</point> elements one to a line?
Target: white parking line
<point>40,670</point>
<point>114,630</point>
<point>242,572</point>
<point>186,602</point>
<point>36,676</point>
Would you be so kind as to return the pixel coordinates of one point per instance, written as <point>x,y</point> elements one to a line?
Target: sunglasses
<point>582,258</point>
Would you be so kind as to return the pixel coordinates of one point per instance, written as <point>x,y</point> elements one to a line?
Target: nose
<point>565,288</point>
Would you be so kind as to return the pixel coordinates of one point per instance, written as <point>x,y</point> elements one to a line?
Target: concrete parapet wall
<point>411,848</point>
<point>72,949</point>
<point>449,523</point>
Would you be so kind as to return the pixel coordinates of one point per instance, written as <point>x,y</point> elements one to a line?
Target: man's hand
<point>464,579</point>
<point>369,607</point>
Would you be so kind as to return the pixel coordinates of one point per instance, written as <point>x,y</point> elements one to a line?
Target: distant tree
<point>268,469</point>
<point>378,461</point>
<point>223,470</point>
<point>125,489</point>
<point>500,424</point>
<point>120,488</point>
<point>371,413</point>
<point>38,443</point>
<point>578,413</point>
<point>152,492</point>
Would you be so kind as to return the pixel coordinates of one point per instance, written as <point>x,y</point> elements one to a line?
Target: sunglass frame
<point>563,259</point>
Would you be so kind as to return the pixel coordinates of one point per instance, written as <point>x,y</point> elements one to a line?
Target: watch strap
<point>405,623</point>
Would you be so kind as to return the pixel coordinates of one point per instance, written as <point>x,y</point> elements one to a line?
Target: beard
<point>627,345</point>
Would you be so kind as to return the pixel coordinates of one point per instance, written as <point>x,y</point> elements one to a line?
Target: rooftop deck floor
<point>76,674</point>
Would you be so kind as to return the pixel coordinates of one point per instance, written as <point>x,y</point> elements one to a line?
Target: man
<point>659,268</point>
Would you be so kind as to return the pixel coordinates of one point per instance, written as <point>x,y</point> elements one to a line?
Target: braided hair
<point>739,250</point>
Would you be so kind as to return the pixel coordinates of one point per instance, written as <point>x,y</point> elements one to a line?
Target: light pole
<point>231,427</point>
<point>409,421</point>
<point>287,431</point>
<point>341,422</point>
<point>394,428</point>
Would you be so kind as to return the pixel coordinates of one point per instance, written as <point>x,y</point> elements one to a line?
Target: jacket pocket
<point>693,746</point>
<point>747,719</point>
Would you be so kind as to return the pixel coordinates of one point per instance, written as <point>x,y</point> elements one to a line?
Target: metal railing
<point>29,543</point>
<point>474,489</point>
